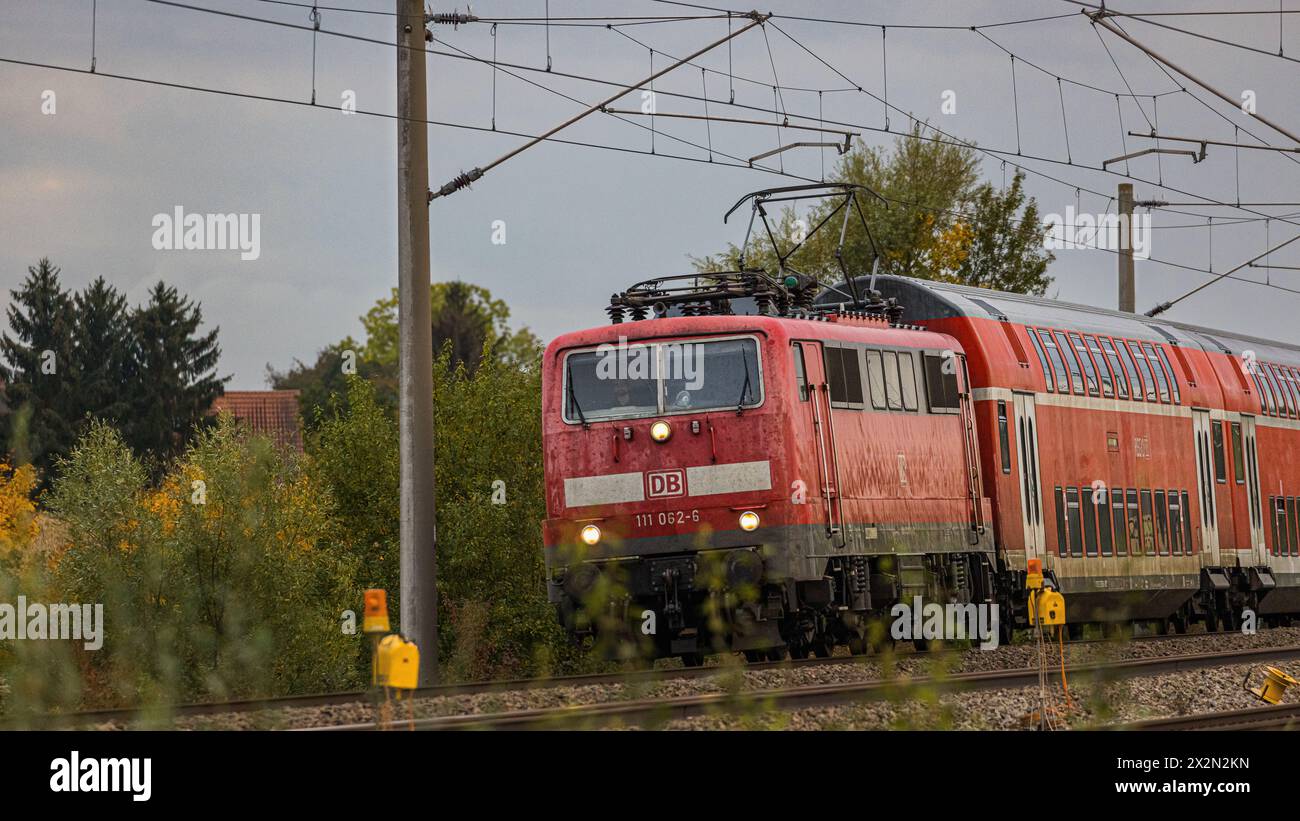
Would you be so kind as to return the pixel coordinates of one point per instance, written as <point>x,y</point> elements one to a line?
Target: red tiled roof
<point>273,414</point>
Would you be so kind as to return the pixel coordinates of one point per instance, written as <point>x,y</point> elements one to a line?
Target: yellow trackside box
<point>375,616</point>
<point>1049,606</point>
<point>398,664</point>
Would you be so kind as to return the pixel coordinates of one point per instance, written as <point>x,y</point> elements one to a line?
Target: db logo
<point>665,483</point>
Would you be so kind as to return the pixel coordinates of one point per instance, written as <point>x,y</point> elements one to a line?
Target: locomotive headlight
<point>591,534</point>
<point>661,431</point>
<point>749,521</point>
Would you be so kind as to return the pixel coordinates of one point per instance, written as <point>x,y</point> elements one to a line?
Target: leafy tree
<point>222,580</point>
<point>103,353</point>
<point>936,222</point>
<point>465,317</point>
<point>1005,252</point>
<point>39,356</point>
<point>176,373</point>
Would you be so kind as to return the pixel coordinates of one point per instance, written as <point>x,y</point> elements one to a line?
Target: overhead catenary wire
<point>709,151</point>
<point>986,150</point>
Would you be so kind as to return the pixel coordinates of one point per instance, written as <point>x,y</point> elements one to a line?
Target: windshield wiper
<point>573,397</point>
<point>744,389</point>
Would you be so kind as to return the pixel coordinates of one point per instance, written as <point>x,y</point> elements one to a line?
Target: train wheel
<point>921,645</point>
<point>798,651</point>
<point>778,653</point>
<point>755,656</point>
<point>822,648</point>
<point>692,659</point>
<point>1211,621</point>
<point>858,646</point>
<point>1074,631</point>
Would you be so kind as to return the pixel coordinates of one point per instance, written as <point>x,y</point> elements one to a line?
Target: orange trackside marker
<point>375,618</point>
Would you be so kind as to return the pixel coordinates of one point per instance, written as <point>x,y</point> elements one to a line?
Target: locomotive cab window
<point>941,383</point>
<point>656,378</point>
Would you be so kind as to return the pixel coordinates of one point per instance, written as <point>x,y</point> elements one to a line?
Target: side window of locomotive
<point>907,378</point>
<point>1103,368</point>
<point>941,383</point>
<point>800,371</point>
<point>1216,433</point>
<point>1071,362</point>
<point>1003,439</point>
<point>1042,359</point>
<point>1153,361</point>
<point>1238,458</point>
<point>893,392</point>
<point>1134,376</point>
<point>1058,364</point>
<point>876,379</point>
<point>1089,372</point>
<point>845,377</point>
<point>1121,376</point>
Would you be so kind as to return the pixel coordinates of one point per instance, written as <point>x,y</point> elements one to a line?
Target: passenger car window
<point>1134,376</point>
<point>1058,364</point>
<point>1121,376</point>
<point>1089,372</point>
<point>1042,359</point>
<point>1103,368</point>
<point>1071,362</point>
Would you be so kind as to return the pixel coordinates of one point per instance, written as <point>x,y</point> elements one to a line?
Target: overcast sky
<point>83,185</point>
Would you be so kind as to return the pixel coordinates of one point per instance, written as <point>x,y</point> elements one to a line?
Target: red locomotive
<point>778,481</point>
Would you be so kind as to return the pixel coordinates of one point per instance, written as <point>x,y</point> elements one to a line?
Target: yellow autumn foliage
<point>18,523</point>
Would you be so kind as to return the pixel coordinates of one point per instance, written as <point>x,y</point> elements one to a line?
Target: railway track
<point>627,676</point>
<point>657,711</point>
<point>1273,717</point>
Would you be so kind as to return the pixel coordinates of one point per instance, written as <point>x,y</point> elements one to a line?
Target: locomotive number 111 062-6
<point>667,517</point>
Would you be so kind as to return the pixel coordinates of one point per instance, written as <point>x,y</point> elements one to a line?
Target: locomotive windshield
<point>648,379</point>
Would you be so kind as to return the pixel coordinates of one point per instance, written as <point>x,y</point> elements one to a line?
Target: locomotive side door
<point>1031,508</point>
<point>1201,427</point>
<point>808,356</point>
